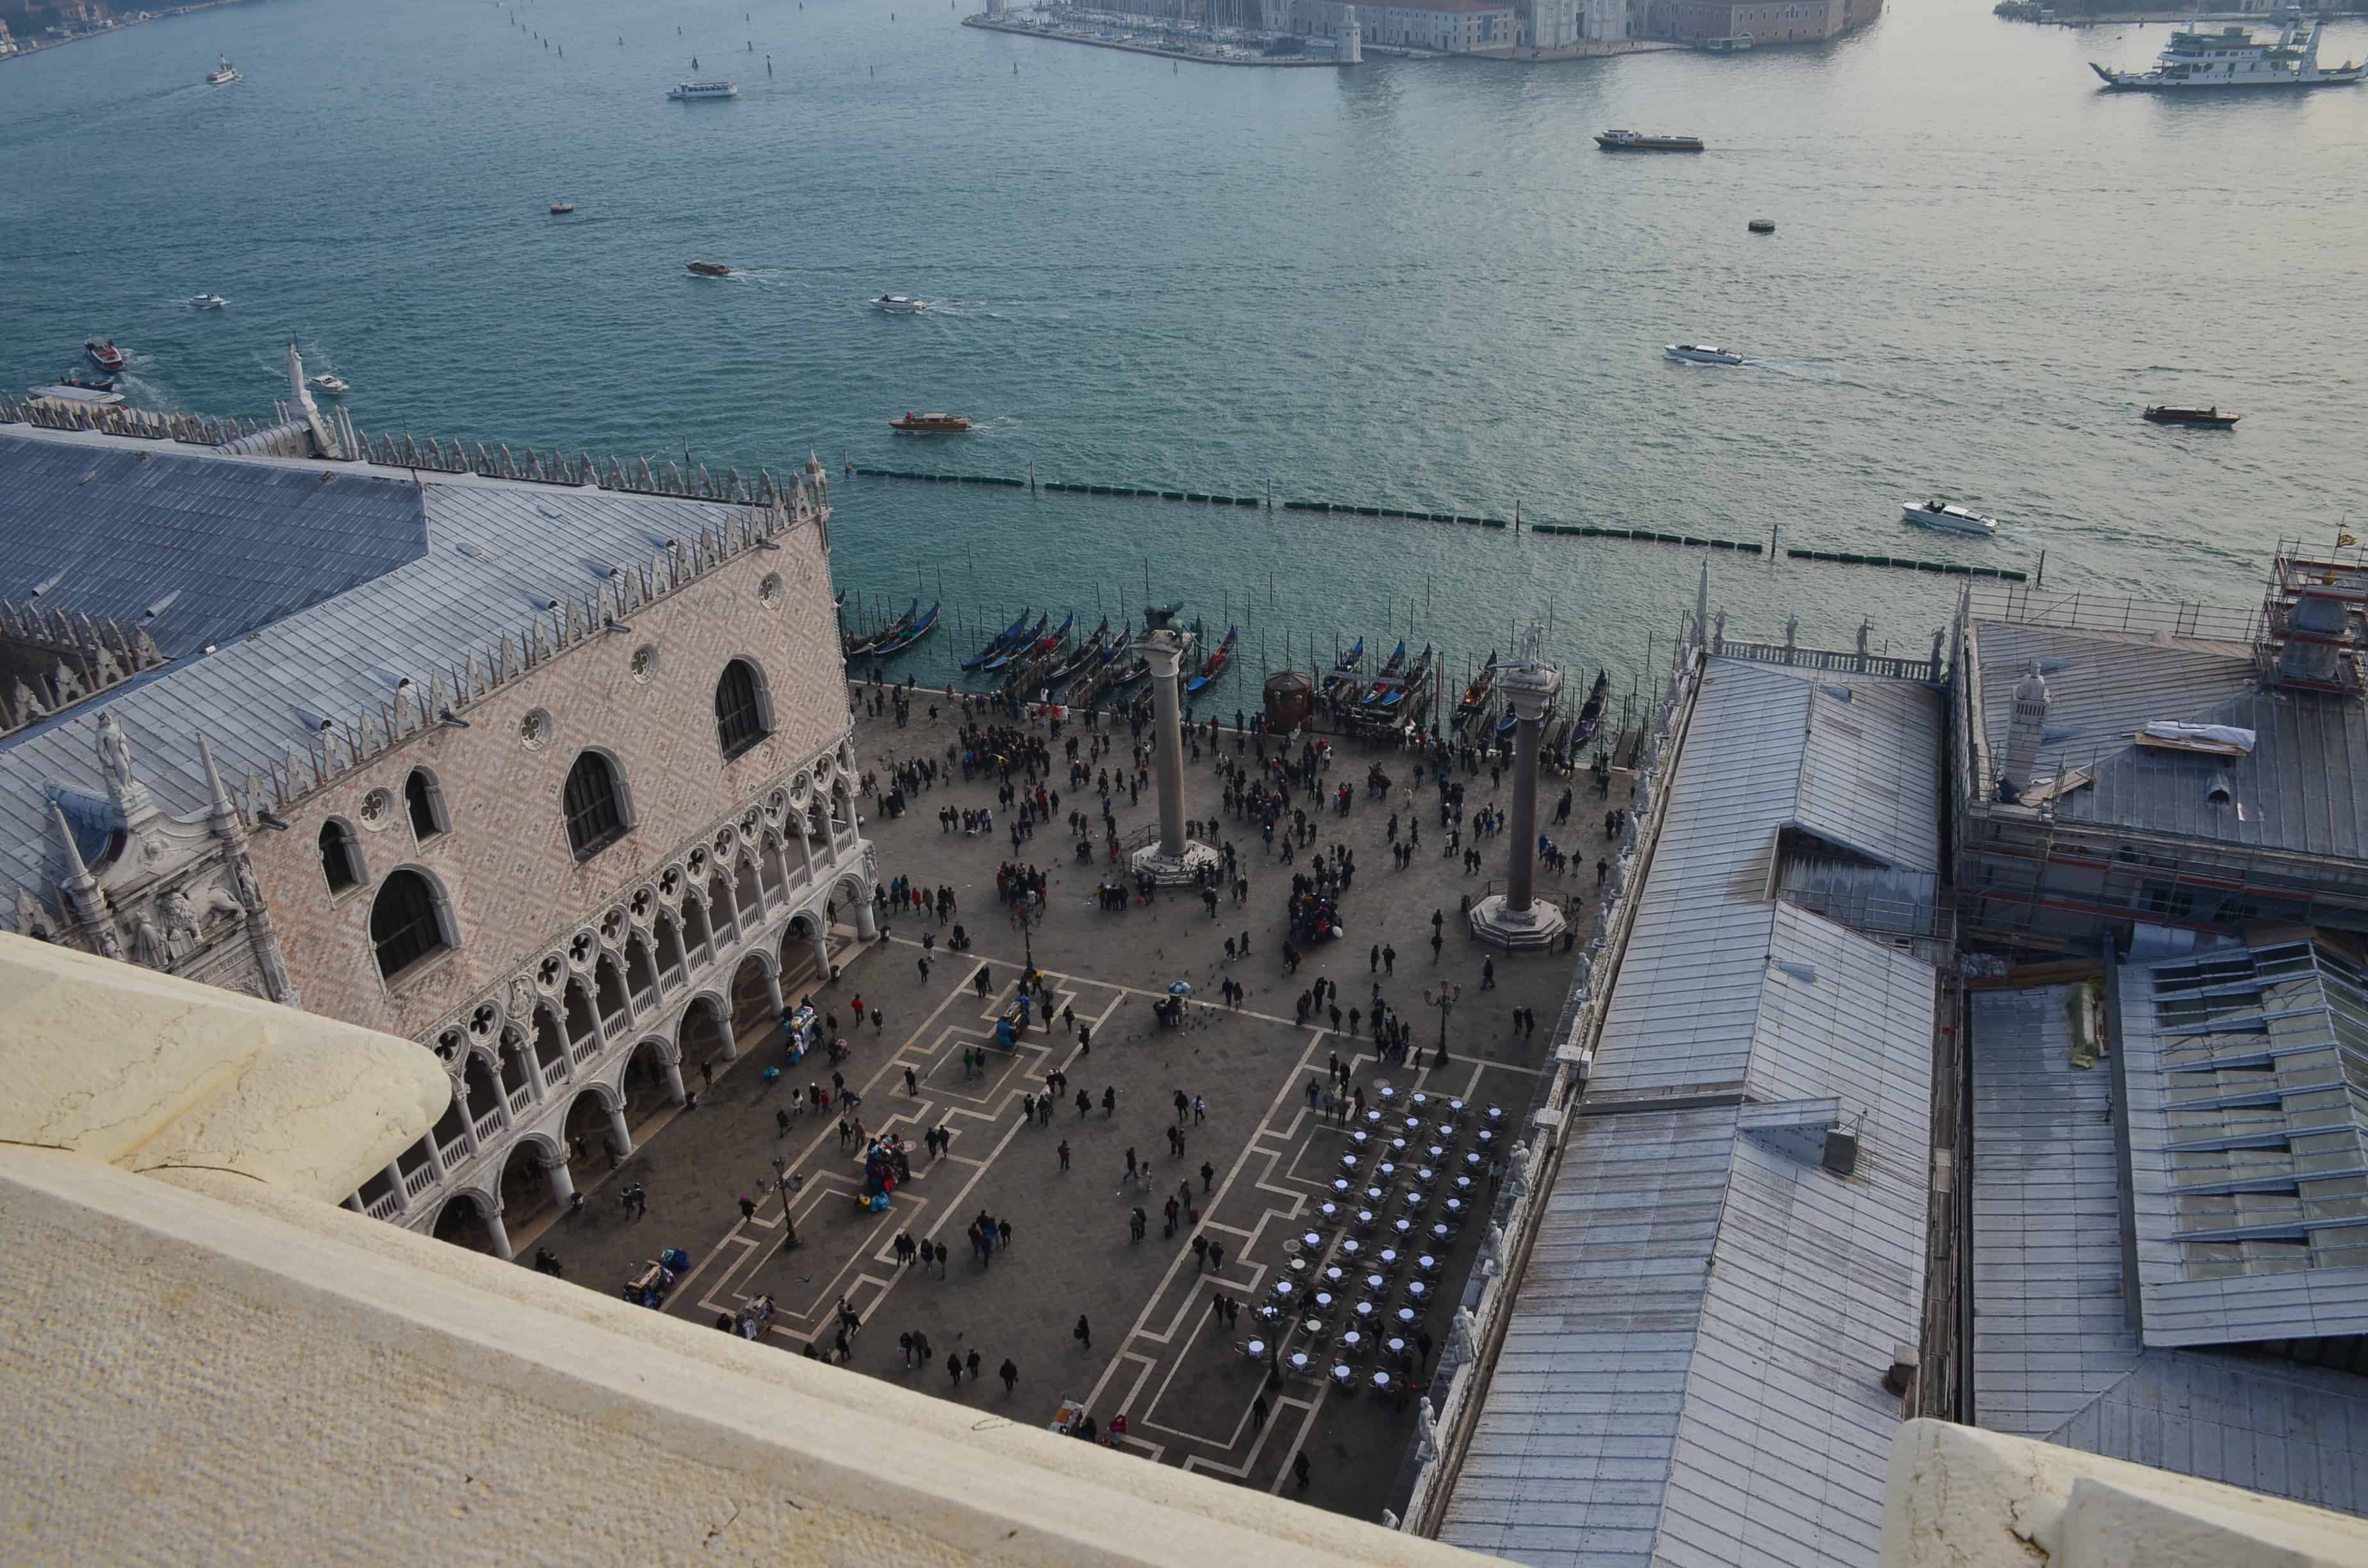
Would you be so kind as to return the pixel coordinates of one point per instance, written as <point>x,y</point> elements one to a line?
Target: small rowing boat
<point>1216,663</point>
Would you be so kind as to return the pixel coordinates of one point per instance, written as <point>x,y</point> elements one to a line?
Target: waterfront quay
<point>1259,1161</point>
<point>1147,35</point>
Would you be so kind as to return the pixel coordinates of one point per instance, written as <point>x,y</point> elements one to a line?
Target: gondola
<point>1088,654</point>
<point>1216,663</point>
<point>1475,696</point>
<point>856,647</point>
<point>1003,639</point>
<point>889,647</point>
<point>1389,673</point>
<point>1341,684</point>
<point>1417,677</point>
<point>1022,671</point>
<point>1591,716</point>
<point>1015,648</point>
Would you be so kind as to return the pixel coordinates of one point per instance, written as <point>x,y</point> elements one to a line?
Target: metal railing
<point>2022,603</point>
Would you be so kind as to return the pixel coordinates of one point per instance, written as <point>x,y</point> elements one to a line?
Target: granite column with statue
<point>1174,860</point>
<point>1514,918</point>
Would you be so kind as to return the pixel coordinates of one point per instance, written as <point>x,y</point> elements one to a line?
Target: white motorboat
<point>335,386</point>
<point>223,75</point>
<point>1938,514</point>
<point>207,302</point>
<point>1702,354</point>
<point>901,304</point>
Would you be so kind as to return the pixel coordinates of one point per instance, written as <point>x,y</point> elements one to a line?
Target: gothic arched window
<point>424,801</point>
<point>595,802</point>
<point>406,924</point>
<point>341,857</point>
<point>743,717</point>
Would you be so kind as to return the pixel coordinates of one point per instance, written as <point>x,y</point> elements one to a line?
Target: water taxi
<point>330,383</point>
<point>1702,354</point>
<point>900,305</point>
<point>711,270</point>
<point>207,302</point>
<point>2179,414</point>
<point>1939,514</point>
<point>1635,141</point>
<point>104,354</point>
<point>930,424</point>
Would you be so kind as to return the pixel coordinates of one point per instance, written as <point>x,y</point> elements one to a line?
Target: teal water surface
<point>1415,284</point>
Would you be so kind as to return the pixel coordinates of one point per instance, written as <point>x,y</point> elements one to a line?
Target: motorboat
<point>222,74</point>
<point>207,302</point>
<point>2177,414</point>
<point>2229,58</point>
<point>1761,225</point>
<point>900,305</point>
<point>1637,142</point>
<point>701,92</point>
<point>334,385</point>
<point>77,380</point>
<point>711,270</point>
<point>104,354</point>
<point>930,424</point>
<point>1702,354</point>
<point>1939,514</point>
<point>560,208</point>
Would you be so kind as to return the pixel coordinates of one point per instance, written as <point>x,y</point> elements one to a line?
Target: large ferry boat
<point>2230,58</point>
<point>930,424</point>
<point>690,92</point>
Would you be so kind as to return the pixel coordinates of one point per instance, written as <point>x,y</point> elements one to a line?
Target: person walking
<point>1217,1258</point>
<point>970,1366</point>
<point>1200,1253</point>
<point>1299,1468</point>
<point>1009,1374</point>
<point>1208,1175</point>
<point>954,1367</point>
<point>1003,1233</point>
<point>1258,1415</point>
<point>1084,1332</point>
<point>1065,1153</point>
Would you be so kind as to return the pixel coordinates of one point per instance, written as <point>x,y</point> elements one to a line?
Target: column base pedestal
<point>1182,873</point>
<point>1538,927</point>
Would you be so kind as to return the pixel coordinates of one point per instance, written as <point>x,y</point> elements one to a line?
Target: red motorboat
<point>104,354</point>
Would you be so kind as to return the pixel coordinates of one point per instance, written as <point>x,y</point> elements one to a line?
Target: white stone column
<point>499,1233</point>
<point>394,1178</point>
<point>772,994</point>
<point>673,1076</point>
<point>620,1132</point>
<point>867,919</point>
<point>354,1202</point>
<point>821,950</point>
<point>562,1180</point>
<point>1175,861</point>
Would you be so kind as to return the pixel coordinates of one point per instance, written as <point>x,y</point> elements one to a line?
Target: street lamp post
<point>1445,1000</point>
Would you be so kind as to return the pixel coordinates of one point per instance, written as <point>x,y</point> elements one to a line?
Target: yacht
<point>901,304</point>
<point>222,74</point>
<point>2230,58</point>
<point>1634,141</point>
<point>335,386</point>
<point>930,425</point>
<point>207,302</point>
<point>1702,354</point>
<point>697,91</point>
<point>1939,514</point>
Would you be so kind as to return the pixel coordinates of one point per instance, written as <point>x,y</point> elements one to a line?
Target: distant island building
<point>1756,24</point>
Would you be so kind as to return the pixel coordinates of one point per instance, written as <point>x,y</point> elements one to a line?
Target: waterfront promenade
<point>32,46</point>
<point>1156,1355</point>
<point>1109,34</point>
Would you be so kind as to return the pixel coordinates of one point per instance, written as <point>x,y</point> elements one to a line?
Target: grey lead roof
<point>1682,1380</point>
<point>256,695</point>
<point>2055,1356</point>
<point>116,531</point>
<point>2050,1329</point>
<point>2303,788</point>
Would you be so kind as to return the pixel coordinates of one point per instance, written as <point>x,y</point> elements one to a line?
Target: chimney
<point>2023,732</point>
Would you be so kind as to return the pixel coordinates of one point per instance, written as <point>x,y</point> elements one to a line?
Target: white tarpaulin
<point>2211,735</point>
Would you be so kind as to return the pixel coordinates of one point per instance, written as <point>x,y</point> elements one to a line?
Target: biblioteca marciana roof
<point>1733,1251</point>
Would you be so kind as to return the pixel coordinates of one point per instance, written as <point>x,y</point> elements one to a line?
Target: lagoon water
<point>1415,284</point>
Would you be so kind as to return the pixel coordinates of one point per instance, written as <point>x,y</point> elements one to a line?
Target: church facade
<point>545,764</point>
